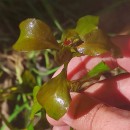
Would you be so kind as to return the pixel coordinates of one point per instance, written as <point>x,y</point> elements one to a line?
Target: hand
<point>106,104</point>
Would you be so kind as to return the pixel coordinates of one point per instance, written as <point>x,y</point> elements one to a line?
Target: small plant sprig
<point>85,39</point>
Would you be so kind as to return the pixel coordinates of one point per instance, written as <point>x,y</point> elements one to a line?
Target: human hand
<point>98,107</point>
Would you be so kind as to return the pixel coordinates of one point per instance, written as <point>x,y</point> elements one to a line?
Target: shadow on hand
<point>108,93</point>
<point>81,104</point>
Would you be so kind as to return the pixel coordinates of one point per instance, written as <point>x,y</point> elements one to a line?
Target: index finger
<point>78,66</point>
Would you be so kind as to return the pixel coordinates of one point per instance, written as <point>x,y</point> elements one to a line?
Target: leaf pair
<point>87,38</point>
<point>90,39</point>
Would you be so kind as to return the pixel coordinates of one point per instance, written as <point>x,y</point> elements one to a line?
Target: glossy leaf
<point>35,35</point>
<point>96,43</point>
<point>98,70</point>
<point>54,96</point>
<point>36,106</point>
<point>86,24</point>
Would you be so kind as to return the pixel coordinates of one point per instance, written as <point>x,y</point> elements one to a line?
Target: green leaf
<point>36,106</point>
<point>98,70</point>
<point>54,96</point>
<point>96,43</point>
<point>86,24</point>
<point>35,35</point>
<point>91,49</point>
<point>28,81</point>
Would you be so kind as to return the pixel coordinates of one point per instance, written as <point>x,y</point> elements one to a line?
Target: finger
<point>123,42</point>
<point>83,108</point>
<point>84,113</point>
<point>55,122</point>
<point>112,91</point>
<point>61,128</point>
<point>78,66</point>
<point>101,117</point>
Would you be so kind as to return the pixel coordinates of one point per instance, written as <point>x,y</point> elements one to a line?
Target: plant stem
<point>71,128</point>
<point>46,72</point>
<point>50,12</point>
<point>47,61</point>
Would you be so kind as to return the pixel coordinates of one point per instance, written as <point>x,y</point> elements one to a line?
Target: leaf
<point>29,81</point>
<point>36,106</point>
<point>35,35</point>
<point>54,96</point>
<point>96,43</point>
<point>98,70</point>
<point>86,24</point>
<point>91,50</point>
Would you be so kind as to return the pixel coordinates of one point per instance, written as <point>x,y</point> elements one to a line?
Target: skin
<point>104,105</point>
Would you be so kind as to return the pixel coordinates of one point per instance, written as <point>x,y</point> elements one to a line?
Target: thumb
<point>101,117</point>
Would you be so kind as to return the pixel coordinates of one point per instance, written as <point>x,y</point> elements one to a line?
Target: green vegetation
<point>25,76</point>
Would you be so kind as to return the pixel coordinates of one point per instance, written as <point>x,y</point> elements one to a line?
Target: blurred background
<point>20,72</point>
